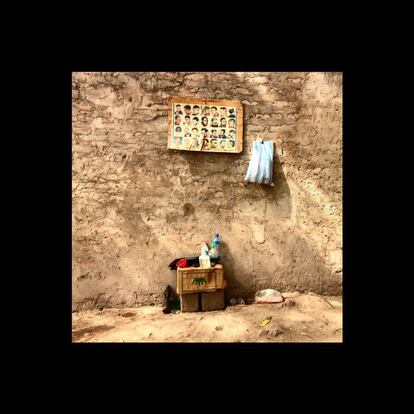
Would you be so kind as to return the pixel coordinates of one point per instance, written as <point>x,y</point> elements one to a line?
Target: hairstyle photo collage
<point>202,127</point>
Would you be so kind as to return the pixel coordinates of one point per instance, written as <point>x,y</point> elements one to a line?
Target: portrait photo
<point>202,125</point>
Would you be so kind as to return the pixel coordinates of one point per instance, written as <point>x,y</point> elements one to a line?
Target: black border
<point>350,272</point>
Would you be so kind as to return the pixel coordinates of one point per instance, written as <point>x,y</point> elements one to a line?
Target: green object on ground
<point>265,321</point>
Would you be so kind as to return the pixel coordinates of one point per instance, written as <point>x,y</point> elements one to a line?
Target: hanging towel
<point>261,164</point>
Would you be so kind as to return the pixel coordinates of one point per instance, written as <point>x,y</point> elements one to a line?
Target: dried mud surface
<point>300,318</point>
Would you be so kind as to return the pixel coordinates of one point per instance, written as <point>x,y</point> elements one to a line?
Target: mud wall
<point>138,205</point>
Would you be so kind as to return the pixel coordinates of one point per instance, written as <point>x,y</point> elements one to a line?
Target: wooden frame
<point>199,129</point>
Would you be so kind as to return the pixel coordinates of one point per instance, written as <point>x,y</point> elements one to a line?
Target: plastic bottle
<point>204,259</point>
<point>215,247</point>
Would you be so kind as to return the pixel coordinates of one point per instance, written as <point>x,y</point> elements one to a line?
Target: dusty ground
<point>300,318</point>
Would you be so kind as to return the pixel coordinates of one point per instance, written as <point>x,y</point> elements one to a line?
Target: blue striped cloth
<point>261,164</point>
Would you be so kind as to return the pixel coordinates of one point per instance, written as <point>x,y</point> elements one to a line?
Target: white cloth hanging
<point>260,168</point>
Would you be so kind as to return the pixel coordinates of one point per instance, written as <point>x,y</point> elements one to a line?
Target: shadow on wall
<point>204,164</point>
<point>306,268</point>
<point>281,189</point>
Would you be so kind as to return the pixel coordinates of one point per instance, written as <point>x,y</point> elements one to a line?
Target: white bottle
<point>204,259</point>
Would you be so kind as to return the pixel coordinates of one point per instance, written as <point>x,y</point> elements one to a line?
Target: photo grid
<point>204,127</point>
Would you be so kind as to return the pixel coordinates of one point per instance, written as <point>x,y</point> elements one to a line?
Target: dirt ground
<point>300,318</point>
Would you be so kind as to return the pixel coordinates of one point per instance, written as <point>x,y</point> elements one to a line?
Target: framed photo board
<point>204,125</point>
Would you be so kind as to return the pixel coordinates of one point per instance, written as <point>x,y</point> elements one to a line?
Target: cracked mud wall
<point>137,205</point>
